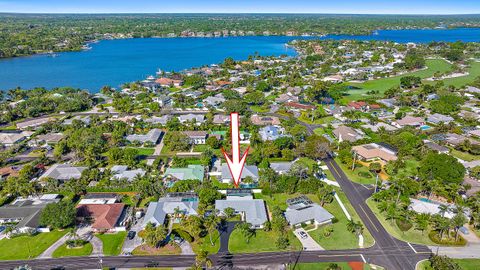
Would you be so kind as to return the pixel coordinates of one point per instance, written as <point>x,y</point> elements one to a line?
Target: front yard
<point>28,247</point>
<point>112,243</point>
<point>64,251</point>
<point>261,242</point>
<point>360,175</point>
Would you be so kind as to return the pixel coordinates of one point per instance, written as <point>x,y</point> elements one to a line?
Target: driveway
<point>130,245</point>
<point>308,243</point>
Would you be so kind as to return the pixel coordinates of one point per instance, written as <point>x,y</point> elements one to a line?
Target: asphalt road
<point>405,255</point>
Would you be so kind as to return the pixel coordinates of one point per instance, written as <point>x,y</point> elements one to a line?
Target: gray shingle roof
<point>254,209</point>
<point>64,172</point>
<point>157,211</point>
<point>312,211</point>
<point>152,136</point>
<point>248,170</point>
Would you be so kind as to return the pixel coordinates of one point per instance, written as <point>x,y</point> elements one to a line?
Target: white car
<point>303,234</point>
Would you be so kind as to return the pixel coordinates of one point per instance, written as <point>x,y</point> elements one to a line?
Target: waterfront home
<point>24,213</point>
<point>301,210</point>
<point>248,171</point>
<point>196,136</point>
<point>198,119</point>
<point>63,172</point>
<point>271,133</point>
<point>345,133</point>
<point>439,118</point>
<point>191,172</point>
<point>122,172</point>
<point>152,137</point>
<point>252,211</point>
<point>374,152</point>
<point>174,205</point>
<point>167,82</point>
<point>264,120</point>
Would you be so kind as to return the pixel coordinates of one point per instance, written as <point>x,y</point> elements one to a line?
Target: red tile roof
<point>105,216</point>
<point>357,104</point>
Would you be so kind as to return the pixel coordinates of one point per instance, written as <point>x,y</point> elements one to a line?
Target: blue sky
<point>243,6</point>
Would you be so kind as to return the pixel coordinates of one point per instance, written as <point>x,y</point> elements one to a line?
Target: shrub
<point>404,225</point>
<point>435,237</point>
<point>365,174</point>
<point>183,234</point>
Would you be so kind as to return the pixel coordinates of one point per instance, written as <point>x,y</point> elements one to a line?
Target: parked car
<point>131,235</point>
<point>303,234</point>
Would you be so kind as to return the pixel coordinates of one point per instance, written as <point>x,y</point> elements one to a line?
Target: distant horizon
<point>239,13</point>
<point>347,7</point>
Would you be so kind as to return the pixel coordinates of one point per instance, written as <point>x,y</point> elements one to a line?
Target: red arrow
<point>235,164</point>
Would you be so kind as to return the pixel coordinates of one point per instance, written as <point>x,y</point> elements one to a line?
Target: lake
<point>113,62</point>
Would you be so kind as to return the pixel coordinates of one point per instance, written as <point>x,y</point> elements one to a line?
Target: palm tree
<point>202,260</point>
<point>355,227</point>
<point>422,221</point>
<point>458,221</point>
<point>211,224</point>
<point>443,209</point>
<point>246,230</point>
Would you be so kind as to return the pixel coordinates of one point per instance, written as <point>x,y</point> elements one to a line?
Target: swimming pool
<point>425,127</point>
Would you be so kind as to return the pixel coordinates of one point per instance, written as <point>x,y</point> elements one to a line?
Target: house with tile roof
<point>102,217</point>
<point>248,170</point>
<point>152,137</point>
<point>375,151</point>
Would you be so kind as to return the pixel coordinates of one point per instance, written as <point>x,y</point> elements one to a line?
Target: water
<point>113,62</point>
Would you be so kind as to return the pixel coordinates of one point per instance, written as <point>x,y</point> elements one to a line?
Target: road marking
<point>412,247</point>
<point>371,222</point>
<point>363,258</point>
<point>339,255</point>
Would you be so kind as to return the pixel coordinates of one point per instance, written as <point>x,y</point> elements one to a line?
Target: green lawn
<point>260,109</point>
<point>465,264</point>
<point>144,151</point>
<point>205,244</point>
<point>63,251</point>
<point>474,71</point>
<point>27,247</point>
<point>304,118</point>
<point>354,175</point>
<point>464,155</point>
<point>412,235</point>
<point>112,242</point>
<point>383,84</point>
<point>340,238</point>
<point>261,242</point>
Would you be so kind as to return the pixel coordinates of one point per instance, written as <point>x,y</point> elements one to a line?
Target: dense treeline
<point>24,34</point>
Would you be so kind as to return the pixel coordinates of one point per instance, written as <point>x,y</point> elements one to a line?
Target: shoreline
<point>312,36</point>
